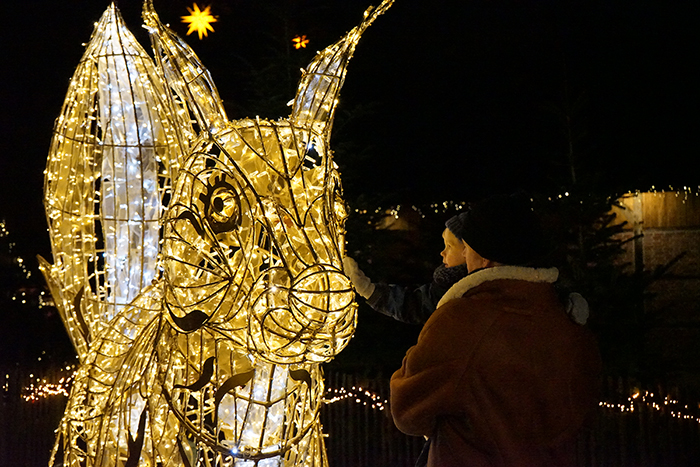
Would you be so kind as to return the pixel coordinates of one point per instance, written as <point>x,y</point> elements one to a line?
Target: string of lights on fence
<point>40,388</point>
<point>655,402</point>
<point>357,394</point>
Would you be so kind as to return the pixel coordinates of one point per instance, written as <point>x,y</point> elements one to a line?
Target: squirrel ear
<point>317,95</point>
<point>183,72</point>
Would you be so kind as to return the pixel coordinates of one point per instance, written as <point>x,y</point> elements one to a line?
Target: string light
<point>197,259</point>
<point>42,389</point>
<point>423,211</point>
<point>656,402</point>
<point>366,398</point>
<point>451,206</point>
<point>358,395</point>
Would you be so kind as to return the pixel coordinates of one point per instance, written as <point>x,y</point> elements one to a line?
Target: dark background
<point>444,100</point>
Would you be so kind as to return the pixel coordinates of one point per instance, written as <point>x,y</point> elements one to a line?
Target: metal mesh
<point>197,260</point>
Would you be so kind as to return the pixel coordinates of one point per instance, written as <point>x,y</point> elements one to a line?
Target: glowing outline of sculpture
<point>120,401</point>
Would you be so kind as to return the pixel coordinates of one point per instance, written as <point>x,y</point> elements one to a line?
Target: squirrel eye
<point>224,209</point>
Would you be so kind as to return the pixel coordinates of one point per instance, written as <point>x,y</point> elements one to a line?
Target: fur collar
<point>477,278</point>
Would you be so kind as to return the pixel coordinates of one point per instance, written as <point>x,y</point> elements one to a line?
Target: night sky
<point>451,99</point>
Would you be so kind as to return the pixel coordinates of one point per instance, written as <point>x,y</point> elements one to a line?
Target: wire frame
<point>197,260</point>
<point>114,152</point>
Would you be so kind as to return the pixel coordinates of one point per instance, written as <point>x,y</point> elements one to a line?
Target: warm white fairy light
<point>422,211</point>
<point>41,389</point>
<point>451,206</point>
<point>113,155</point>
<point>197,260</point>
<point>358,395</point>
<point>655,402</point>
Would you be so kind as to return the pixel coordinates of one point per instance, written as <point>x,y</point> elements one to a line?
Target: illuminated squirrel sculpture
<point>197,260</point>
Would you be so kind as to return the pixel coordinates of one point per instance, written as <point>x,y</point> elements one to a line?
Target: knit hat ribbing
<point>503,229</point>
<point>455,225</point>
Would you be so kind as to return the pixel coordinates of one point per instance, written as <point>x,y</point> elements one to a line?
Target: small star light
<point>300,42</point>
<point>199,20</point>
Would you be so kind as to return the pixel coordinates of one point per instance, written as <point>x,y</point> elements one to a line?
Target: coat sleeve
<point>412,305</point>
<point>425,388</point>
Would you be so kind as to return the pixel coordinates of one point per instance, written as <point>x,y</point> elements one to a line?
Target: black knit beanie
<point>455,225</point>
<point>503,229</point>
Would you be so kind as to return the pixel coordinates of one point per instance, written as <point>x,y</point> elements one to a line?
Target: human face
<point>453,254</point>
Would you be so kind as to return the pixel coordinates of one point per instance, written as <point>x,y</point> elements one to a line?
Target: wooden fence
<point>642,426</point>
<point>634,426</point>
<point>27,428</point>
<point>358,425</point>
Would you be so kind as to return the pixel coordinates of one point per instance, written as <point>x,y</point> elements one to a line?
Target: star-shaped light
<point>300,42</point>
<point>199,21</point>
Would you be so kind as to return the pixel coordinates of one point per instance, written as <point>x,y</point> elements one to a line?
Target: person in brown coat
<point>500,375</point>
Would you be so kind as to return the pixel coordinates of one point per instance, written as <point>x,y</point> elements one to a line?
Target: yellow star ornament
<point>300,42</point>
<point>199,21</point>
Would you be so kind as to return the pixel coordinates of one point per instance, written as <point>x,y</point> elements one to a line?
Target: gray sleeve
<point>412,305</point>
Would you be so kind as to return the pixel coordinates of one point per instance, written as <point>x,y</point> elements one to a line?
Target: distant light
<point>199,21</point>
<point>300,41</point>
